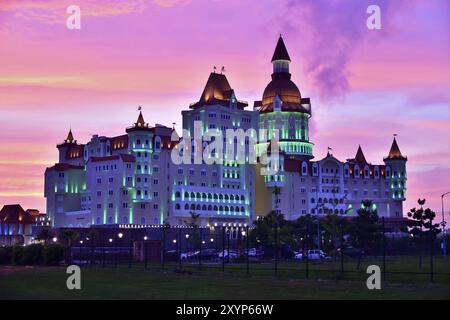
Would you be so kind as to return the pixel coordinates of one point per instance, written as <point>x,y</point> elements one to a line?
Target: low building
<point>15,225</point>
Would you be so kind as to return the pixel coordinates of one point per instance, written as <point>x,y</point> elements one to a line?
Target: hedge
<point>34,254</point>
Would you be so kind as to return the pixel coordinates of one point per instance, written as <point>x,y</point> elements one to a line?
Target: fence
<point>231,250</point>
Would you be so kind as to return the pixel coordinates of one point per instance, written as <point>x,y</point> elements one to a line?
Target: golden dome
<point>281,86</point>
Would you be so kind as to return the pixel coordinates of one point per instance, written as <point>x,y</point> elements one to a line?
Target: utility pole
<point>444,231</point>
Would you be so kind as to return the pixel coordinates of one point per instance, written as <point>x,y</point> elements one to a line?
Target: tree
<point>263,234</point>
<point>44,235</point>
<point>276,192</point>
<point>68,236</point>
<point>91,237</point>
<point>365,229</point>
<point>331,225</point>
<point>421,227</point>
<point>303,231</point>
<point>193,223</point>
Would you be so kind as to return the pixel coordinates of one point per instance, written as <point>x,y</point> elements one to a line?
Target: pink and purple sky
<point>365,85</point>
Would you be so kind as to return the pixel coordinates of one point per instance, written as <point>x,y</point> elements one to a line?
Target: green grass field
<point>211,283</point>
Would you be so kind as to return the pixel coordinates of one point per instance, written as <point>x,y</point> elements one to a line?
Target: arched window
<point>186,194</point>
<point>204,195</point>
<point>356,171</point>
<point>304,168</point>
<point>366,172</point>
<point>215,208</point>
<point>216,196</point>
<point>157,143</point>
<point>231,197</point>
<point>199,195</point>
<point>177,206</point>
<point>242,209</point>
<point>377,172</point>
<point>192,206</point>
<point>231,209</point>
<point>388,172</point>
<point>186,206</point>
<point>221,208</point>
<point>209,196</point>
<point>192,195</point>
<point>236,209</point>
<point>198,207</point>
<point>177,194</point>
<point>315,169</point>
<point>242,198</point>
<point>209,207</point>
<point>124,220</point>
<point>204,207</point>
<point>142,220</point>
<point>313,200</point>
<point>110,220</point>
<point>221,197</point>
<point>226,209</point>
<point>98,220</point>
<point>346,170</point>
<point>226,197</point>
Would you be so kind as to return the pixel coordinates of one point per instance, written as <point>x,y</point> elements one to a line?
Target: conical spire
<point>70,138</point>
<point>360,158</point>
<point>395,153</point>
<point>140,121</point>
<point>280,51</point>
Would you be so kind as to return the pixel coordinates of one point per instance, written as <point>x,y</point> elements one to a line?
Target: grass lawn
<point>212,283</point>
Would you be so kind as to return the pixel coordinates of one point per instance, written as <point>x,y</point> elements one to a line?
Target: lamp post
<point>145,252</point>
<point>444,245</point>
<point>120,236</point>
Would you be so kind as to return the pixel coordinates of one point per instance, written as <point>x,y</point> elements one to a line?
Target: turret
<point>396,166</point>
<point>65,145</point>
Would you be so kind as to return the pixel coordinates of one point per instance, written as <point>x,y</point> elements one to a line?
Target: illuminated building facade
<point>131,178</point>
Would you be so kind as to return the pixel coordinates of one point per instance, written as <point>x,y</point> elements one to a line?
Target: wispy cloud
<point>331,31</point>
<point>54,11</point>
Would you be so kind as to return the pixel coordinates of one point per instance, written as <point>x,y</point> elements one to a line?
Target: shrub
<point>33,254</point>
<point>54,254</point>
<point>5,255</point>
<point>17,254</point>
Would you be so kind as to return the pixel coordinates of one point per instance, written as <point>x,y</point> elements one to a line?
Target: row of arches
<point>210,208</point>
<point>210,196</point>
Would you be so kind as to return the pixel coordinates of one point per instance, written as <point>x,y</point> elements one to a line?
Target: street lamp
<point>444,231</point>
<point>55,239</point>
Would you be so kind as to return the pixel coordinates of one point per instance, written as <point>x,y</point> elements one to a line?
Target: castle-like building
<point>131,179</point>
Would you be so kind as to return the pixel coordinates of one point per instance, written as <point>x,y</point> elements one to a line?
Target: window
<point>157,143</point>
<point>155,206</point>
<point>304,169</point>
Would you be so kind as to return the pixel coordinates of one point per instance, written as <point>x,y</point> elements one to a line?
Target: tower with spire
<point>396,163</point>
<point>283,109</point>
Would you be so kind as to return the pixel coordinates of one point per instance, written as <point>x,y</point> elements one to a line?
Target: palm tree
<point>68,236</point>
<point>44,235</point>
<point>91,237</point>
<point>276,192</point>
